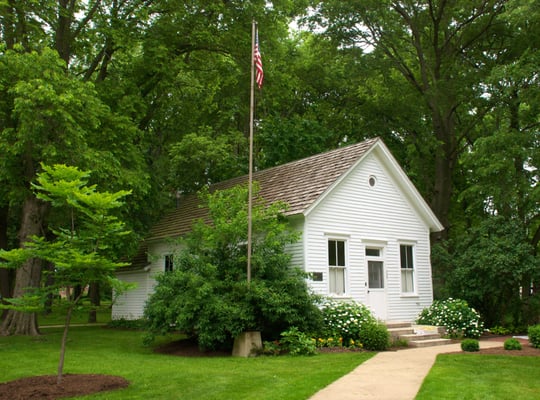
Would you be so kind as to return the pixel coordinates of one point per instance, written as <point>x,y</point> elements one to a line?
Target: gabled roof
<point>300,184</point>
<point>297,183</point>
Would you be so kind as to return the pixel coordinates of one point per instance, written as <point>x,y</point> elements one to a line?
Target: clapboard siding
<point>361,214</point>
<point>130,305</point>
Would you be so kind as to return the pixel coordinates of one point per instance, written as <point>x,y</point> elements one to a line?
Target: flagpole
<point>250,176</point>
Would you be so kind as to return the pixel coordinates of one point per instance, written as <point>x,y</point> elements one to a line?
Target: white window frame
<point>337,269</point>
<point>407,269</point>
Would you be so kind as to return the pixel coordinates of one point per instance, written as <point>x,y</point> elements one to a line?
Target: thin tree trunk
<point>63,344</point>
<point>64,339</point>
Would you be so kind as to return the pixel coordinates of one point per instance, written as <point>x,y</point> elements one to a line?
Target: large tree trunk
<point>5,276</point>
<point>27,277</point>
<point>445,162</point>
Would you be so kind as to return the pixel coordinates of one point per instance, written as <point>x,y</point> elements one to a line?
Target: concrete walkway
<point>389,375</point>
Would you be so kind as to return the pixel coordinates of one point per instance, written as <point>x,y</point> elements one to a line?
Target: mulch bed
<point>526,348</point>
<point>45,387</point>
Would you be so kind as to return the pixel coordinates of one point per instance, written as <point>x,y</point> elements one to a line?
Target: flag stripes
<point>259,73</point>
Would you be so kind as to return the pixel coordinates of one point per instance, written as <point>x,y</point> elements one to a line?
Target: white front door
<point>375,286</point>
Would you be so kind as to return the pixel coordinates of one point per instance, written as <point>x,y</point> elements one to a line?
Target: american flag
<point>259,74</point>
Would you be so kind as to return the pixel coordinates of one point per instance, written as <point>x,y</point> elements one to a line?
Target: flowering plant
<point>455,315</point>
<point>339,342</point>
<point>343,320</point>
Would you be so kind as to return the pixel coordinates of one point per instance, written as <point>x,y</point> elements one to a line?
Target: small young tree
<point>82,251</point>
<point>207,294</point>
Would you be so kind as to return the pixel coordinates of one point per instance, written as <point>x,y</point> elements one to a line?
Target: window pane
<point>407,281</point>
<point>337,280</point>
<point>373,252</point>
<point>341,253</point>
<point>406,253</point>
<point>332,252</point>
<point>375,275</point>
<point>169,263</point>
<point>336,253</point>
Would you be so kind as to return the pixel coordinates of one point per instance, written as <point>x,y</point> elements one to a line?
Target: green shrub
<point>207,295</point>
<point>500,330</point>
<point>455,315</point>
<point>399,342</point>
<point>272,348</point>
<point>512,344</point>
<point>298,343</point>
<point>374,336</point>
<point>470,345</point>
<point>534,336</point>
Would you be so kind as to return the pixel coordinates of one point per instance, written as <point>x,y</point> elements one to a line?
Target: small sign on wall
<point>316,276</point>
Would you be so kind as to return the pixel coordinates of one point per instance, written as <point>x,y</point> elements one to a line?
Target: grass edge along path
<point>120,352</point>
<point>482,377</point>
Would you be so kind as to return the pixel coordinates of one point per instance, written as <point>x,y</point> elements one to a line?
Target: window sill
<point>410,295</point>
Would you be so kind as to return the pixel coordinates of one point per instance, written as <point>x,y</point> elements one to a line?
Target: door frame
<point>376,298</point>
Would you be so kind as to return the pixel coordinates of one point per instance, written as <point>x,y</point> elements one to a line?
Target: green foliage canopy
<point>494,268</point>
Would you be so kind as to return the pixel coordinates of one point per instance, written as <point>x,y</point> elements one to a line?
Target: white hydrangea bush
<point>344,319</point>
<point>455,315</point>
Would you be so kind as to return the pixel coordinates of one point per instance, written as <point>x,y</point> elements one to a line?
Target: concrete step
<point>416,337</point>
<point>400,332</point>
<point>429,342</point>
<point>398,324</point>
<point>398,328</point>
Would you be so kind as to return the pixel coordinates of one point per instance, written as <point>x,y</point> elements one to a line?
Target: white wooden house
<point>365,231</point>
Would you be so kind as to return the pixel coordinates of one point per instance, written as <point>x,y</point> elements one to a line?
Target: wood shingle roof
<point>298,183</point>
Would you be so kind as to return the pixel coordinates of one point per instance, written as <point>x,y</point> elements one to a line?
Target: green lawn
<point>482,377</point>
<point>153,376</point>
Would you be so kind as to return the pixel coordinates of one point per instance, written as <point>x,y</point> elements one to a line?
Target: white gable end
<point>367,209</point>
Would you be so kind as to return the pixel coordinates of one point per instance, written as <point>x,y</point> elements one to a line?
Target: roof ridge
<point>369,142</point>
<point>297,183</point>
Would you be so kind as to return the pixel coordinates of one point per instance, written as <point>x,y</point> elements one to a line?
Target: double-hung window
<point>407,268</point>
<point>336,266</point>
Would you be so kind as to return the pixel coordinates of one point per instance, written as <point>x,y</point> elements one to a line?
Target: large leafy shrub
<point>207,294</point>
<point>351,322</point>
<point>455,315</point>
